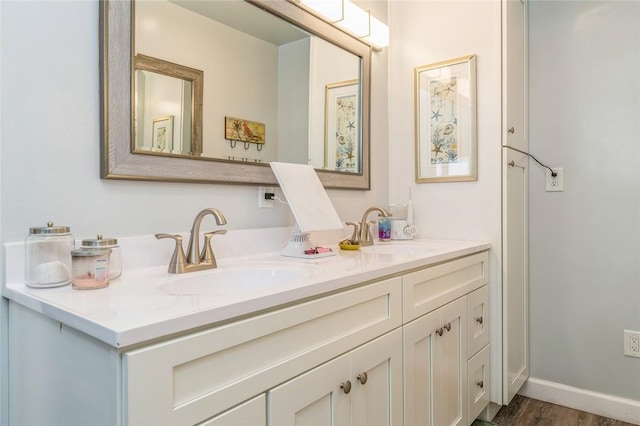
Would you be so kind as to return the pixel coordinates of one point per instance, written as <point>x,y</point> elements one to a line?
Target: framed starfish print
<point>342,136</point>
<point>445,121</point>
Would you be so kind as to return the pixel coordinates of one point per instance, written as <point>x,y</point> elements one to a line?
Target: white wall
<point>293,112</point>
<point>50,140</point>
<point>584,242</point>
<point>425,32</point>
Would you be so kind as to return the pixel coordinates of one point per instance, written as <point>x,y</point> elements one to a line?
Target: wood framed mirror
<point>176,92</point>
<point>120,161</point>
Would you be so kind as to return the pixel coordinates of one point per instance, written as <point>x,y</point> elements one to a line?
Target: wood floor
<point>530,412</point>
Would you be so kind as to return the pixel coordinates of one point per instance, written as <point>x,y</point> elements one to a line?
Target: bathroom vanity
<point>394,333</point>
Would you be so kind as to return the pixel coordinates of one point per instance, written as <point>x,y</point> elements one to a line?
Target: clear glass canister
<point>90,268</point>
<point>48,256</point>
<point>115,260</point>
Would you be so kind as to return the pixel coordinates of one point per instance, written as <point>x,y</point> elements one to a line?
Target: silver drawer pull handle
<point>346,386</point>
<point>447,326</point>
<point>479,320</point>
<point>362,377</point>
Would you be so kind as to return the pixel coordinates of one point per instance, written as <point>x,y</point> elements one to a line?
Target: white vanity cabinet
<point>407,347</point>
<point>197,377</point>
<point>439,340</point>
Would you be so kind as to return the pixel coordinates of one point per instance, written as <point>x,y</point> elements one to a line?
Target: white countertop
<point>149,303</point>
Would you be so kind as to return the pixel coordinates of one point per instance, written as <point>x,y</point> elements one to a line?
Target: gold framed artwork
<point>445,121</point>
<point>162,134</point>
<point>341,133</point>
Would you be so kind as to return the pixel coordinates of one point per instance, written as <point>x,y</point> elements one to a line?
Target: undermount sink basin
<point>398,248</point>
<point>235,280</point>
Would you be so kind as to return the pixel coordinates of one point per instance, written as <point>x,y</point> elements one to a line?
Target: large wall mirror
<point>212,91</point>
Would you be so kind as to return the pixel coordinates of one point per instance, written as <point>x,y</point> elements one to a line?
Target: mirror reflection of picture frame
<point>445,121</point>
<point>342,134</point>
<point>162,134</point>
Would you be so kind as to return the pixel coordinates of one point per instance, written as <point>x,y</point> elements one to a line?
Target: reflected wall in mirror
<point>167,107</point>
<point>290,67</point>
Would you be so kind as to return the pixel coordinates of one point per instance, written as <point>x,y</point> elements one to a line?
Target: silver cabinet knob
<point>439,331</point>
<point>480,384</point>
<point>362,377</point>
<point>511,130</point>
<point>479,320</point>
<point>346,386</point>
<point>447,326</point>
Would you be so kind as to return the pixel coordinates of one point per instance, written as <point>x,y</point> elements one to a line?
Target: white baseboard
<point>627,410</point>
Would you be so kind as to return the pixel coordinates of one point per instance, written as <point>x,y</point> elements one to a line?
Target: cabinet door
<point>515,315</point>
<point>251,413</point>
<point>376,375</point>
<point>450,390</point>
<point>419,351</point>
<point>435,356</point>
<point>314,398</point>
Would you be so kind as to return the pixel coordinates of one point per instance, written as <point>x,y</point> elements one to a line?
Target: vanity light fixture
<point>329,10</point>
<point>350,18</point>
<point>355,20</point>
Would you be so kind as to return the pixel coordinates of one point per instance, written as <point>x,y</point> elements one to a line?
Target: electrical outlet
<point>555,183</point>
<point>263,203</point>
<point>632,343</point>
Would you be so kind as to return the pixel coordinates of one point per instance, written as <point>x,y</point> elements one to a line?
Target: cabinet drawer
<point>478,320</point>
<point>432,287</point>
<point>190,379</point>
<point>478,382</point>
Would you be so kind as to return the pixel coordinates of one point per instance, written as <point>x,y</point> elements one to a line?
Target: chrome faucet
<point>366,239</point>
<point>195,260</point>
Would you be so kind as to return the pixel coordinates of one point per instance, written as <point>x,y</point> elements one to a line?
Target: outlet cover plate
<point>554,184</point>
<point>262,202</point>
<point>632,343</point>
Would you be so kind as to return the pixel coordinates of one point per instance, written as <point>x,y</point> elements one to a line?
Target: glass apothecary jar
<point>90,268</point>
<point>115,259</point>
<point>48,256</point>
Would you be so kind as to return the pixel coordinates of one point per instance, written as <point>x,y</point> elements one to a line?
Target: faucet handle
<point>178,261</point>
<point>355,236</point>
<point>207,252</point>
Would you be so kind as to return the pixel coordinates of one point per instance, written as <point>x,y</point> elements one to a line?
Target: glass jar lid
<point>83,252</point>
<point>50,229</point>
<point>99,241</point>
